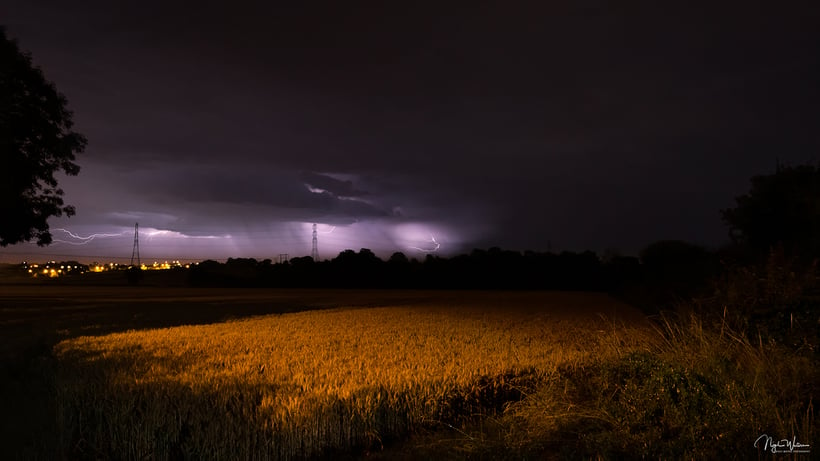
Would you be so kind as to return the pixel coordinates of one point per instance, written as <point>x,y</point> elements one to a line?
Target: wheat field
<point>332,381</point>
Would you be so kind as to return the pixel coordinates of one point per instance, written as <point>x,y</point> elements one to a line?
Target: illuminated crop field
<point>426,375</point>
<point>300,384</point>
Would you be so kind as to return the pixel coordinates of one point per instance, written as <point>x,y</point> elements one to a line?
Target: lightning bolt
<point>83,240</point>
<point>332,228</point>
<point>429,250</point>
<point>185,236</point>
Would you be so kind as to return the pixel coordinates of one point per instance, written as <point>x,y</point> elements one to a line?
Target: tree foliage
<point>481,269</point>
<point>36,142</point>
<point>781,208</point>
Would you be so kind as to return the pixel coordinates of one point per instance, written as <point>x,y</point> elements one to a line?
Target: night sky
<point>227,128</point>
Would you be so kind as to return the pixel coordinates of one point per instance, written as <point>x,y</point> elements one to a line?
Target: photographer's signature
<point>781,446</point>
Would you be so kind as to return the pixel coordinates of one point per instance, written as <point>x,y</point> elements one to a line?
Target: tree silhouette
<point>676,269</point>
<point>36,141</point>
<point>781,208</point>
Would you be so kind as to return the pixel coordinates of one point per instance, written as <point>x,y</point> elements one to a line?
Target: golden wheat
<point>295,385</point>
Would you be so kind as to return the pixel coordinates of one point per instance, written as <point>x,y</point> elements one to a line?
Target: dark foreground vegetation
<point>481,269</point>
<point>666,269</point>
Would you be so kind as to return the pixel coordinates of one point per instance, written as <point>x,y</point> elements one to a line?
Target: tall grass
<point>448,381</point>
<point>298,385</point>
<point>696,392</point>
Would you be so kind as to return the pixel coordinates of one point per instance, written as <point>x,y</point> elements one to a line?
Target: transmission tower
<point>314,253</point>
<point>136,251</point>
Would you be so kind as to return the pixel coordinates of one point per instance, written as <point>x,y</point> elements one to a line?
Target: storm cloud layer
<point>228,129</point>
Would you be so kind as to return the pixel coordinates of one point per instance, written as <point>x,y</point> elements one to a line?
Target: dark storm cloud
<point>521,124</point>
<point>336,187</point>
<point>227,194</point>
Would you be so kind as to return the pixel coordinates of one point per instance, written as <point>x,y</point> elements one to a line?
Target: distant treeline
<point>675,265</point>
